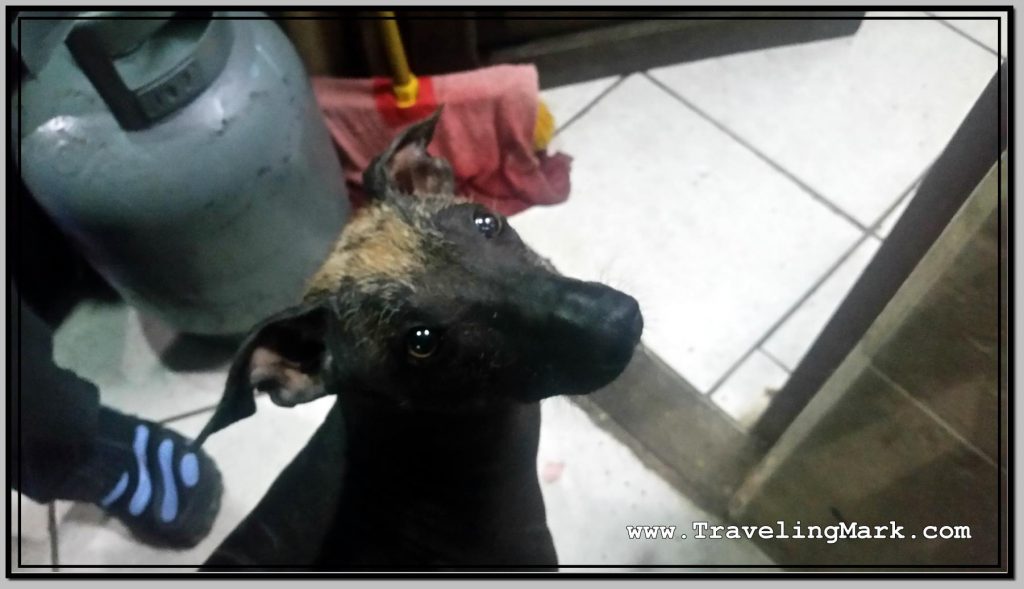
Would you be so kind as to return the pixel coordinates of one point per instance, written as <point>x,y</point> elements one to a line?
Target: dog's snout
<point>595,307</point>
<point>624,314</point>
<point>582,335</point>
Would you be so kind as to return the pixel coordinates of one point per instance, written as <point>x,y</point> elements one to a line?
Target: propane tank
<point>186,156</point>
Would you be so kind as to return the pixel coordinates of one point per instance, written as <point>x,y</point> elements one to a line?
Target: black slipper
<point>146,475</point>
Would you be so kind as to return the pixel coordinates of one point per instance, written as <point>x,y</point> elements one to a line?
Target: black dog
<point>440,332</point>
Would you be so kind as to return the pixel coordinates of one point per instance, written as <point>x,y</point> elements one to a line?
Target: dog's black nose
<point>624,317</point>
<point>583,333</point>
<point>600,310</point>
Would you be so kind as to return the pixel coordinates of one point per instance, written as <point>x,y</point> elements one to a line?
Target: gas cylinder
<point>185,154</point>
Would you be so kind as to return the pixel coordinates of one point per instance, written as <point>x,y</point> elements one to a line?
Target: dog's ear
<point>284,356</point>
<point>405,167</point>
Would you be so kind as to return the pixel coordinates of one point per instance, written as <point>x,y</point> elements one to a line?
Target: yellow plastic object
<point>406,94</point>
<point>544,128</point>
<point>405,85</point>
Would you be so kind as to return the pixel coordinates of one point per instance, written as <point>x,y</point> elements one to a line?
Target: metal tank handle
<point>138,108</point>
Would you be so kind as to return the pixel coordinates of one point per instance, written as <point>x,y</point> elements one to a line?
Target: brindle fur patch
<point>376,244</point>
<point>387,243</point>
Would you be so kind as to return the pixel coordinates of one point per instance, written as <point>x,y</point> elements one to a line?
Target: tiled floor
<point>979,27</point>
<point>738,198</point>
<point>585,471</point>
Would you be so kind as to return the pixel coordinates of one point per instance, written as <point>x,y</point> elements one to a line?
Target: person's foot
<point>146,475</point>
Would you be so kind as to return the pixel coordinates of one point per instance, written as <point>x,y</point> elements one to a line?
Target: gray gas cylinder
<point>187,158</point>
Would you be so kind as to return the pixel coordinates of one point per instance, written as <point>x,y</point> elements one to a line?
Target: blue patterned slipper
<point>165,492</point>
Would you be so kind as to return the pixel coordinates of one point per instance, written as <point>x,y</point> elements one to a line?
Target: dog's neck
<point>498,440</point>
<point>436,488</point>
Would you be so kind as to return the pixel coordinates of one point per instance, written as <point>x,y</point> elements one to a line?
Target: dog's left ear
<point>284,356</point>
<point>405,167</point>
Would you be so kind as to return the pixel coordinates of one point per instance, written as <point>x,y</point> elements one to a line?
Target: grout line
<point>931,413</point>
<point>775,360</point>
<point>878,225</point>
<point>51,526</point>
<point>791,310</point>
<point>763,157</point>
<point>942,21</point>
<point>873,229</point>
<point>687,385</point>
<point>869,233</point>
<point>589,105</point>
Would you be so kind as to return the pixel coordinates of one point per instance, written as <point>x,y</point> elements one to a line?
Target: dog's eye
<point>487,223</point>
<point>422,342</point>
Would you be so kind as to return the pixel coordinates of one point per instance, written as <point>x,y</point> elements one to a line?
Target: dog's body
<point>443,492</point>
<point>440,332</point>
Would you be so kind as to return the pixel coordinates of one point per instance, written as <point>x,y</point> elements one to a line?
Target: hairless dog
<point>440,332</point>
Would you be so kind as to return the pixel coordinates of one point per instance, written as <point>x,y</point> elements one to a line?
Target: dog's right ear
<point>284,356</point>
<point>405,167</point>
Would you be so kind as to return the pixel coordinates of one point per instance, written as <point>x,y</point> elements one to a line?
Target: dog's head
<point>433,303</point>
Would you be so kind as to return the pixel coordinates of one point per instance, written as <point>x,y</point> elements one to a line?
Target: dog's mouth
<point>580,375</point>
<point>609,371</point>
<point>285,398</point>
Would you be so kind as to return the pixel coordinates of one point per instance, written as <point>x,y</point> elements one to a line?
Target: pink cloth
<point>486,132</point>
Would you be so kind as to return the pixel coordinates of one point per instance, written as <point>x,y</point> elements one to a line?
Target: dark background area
<point>566,46</point>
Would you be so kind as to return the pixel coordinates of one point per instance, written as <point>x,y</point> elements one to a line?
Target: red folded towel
<point>486,132</point>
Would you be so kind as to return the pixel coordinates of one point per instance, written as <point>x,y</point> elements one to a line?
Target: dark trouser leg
<point>54,413</point>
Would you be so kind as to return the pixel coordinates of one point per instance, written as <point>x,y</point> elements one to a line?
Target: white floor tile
<point>713,242</point>
<point>794,337</point>
<point>13,547</point>
<point>30,536</point>
<point>746,393</point>
<point>249,454</point>
<point>33,517</point>
<point>885,227</point>
<point>856,118</point>
<point>34,555</point>
<point>565,102</point>
<point>585,471</point>
<point>118,349</point>
<point>984,31</point>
